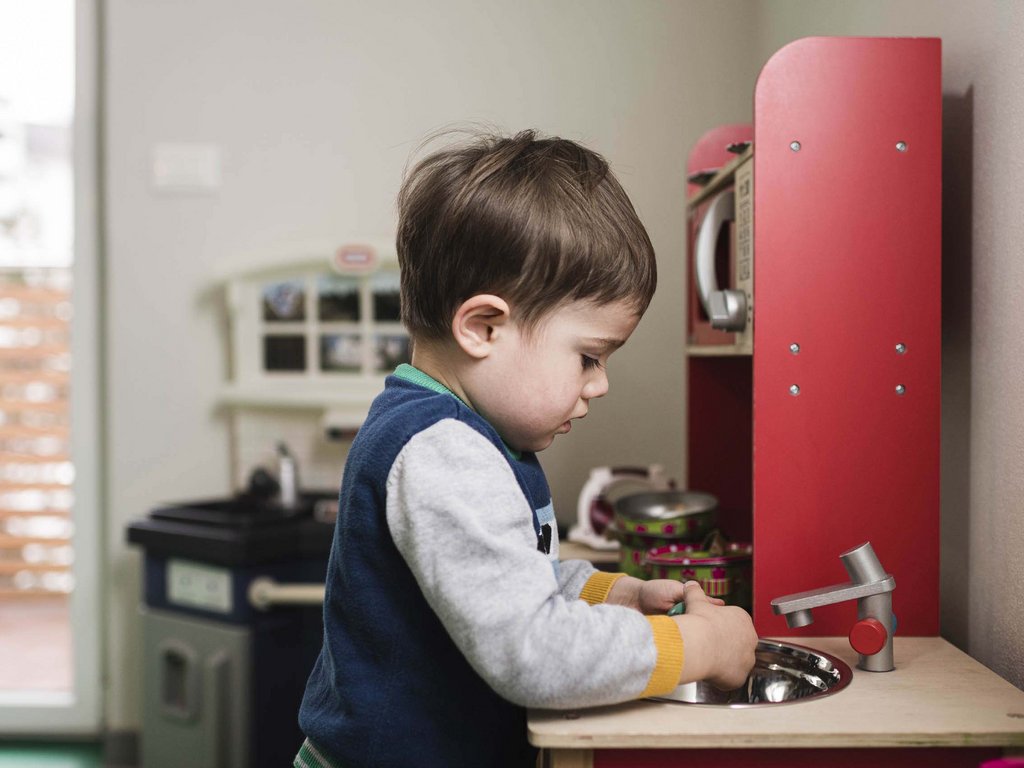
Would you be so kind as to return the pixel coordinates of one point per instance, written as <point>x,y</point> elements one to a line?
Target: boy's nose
<point>596,387</point>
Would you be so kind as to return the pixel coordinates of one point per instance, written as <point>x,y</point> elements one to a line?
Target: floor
<point>35,646</point>
<point>26,755</point>
<point>35,655</point>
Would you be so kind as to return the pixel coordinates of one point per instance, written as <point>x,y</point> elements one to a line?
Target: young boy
<point>447,612</point>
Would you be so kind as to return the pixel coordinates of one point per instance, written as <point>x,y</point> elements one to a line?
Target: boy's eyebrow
<point>605,344</point>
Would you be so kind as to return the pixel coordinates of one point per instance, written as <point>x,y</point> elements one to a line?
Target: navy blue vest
<point>390,688</point>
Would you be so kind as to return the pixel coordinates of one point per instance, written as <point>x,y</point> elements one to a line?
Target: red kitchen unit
<point>813,358</point>
<point>814,416</point>
<point>813,403</point>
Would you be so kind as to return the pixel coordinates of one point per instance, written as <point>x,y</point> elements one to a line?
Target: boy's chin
<point>534,443</point>
<point>541,444</point>
<point>530,445</point>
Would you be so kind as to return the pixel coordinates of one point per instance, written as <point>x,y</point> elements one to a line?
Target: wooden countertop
<point>937,696</point>
<point>571,550</point>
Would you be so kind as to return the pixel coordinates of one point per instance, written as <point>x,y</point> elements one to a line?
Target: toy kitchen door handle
<point>265,593</point>
<point>726,309</point>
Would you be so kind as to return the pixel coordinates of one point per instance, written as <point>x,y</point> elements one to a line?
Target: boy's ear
<point>476,321</point>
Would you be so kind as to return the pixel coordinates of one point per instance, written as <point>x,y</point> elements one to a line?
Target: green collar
<point>418,377</point>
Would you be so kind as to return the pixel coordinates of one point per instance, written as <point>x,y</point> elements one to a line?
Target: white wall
<point>316,106</point>
<point>982,585</point>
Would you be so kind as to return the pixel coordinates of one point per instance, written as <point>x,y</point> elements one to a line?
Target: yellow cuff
<point>598,586</point>
<point>669,666</point>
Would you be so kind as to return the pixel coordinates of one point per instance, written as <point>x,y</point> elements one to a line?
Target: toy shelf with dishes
<point>719,318</point>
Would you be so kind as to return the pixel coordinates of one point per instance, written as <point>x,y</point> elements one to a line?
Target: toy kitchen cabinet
<point>813,351</point>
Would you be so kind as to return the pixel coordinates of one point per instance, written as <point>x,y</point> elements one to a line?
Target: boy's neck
<point>436,361</point>
<point>445,365</point>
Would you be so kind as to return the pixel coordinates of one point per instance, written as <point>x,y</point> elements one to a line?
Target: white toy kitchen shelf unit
<point>318,331</point>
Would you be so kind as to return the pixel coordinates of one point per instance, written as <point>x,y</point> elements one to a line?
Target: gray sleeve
<point>572,575</point>
<point>458,517</point>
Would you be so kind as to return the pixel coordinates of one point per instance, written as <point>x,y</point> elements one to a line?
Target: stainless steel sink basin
<point>247,511</point>
<point>783,673</point>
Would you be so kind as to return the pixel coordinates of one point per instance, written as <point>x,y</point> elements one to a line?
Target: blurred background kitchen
<point>154,151</point>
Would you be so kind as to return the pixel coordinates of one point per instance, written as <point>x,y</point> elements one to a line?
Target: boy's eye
<point>590,362</point>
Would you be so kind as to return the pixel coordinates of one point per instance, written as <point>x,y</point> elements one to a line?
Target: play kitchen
<point>813,378</point>
<point>231,620</point>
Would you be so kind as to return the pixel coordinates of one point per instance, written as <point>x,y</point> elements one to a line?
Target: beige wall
<point>983,274</point>
<point>316,106</point>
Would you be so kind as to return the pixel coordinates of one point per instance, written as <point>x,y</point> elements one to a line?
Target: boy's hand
<point>651,597</point>
<point>659,595</point>
<point>718,640</point>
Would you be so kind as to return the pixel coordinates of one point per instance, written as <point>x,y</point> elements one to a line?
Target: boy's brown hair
<point>536,221</point>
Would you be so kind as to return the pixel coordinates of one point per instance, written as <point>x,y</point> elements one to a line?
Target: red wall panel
<point>848,263</point>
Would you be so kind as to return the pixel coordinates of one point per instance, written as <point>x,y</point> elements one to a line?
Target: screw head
<point>794,348</point>
<point>901,146</point>
<point>794,389</point>
<point>900,389</point>
<point>901,348</point>
<point>795,146</point>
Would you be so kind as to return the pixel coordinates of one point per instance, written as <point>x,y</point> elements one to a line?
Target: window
<point>49,419</point>
<point>35,463</point>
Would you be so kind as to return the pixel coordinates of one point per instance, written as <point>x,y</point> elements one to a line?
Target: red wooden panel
<point>919,757</point>
<point>709,153</point>
<point>847,242</point>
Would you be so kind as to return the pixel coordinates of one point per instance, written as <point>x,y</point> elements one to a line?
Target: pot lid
<point>690,554</point>
<point>664,505</point>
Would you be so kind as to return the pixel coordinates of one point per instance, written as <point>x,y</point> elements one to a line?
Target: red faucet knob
<point>868,636</point>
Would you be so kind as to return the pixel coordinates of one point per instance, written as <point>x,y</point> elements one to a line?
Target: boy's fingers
<point>692,591</point>
<point>711,600</point>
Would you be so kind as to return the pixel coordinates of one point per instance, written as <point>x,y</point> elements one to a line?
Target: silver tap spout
<point>287,477</point>
<point>869,585</point>
<point>803,602</point>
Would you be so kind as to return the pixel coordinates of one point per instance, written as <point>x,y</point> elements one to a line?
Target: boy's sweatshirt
<point>447,611</point>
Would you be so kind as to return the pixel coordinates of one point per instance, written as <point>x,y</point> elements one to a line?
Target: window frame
<point>79,712</point>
